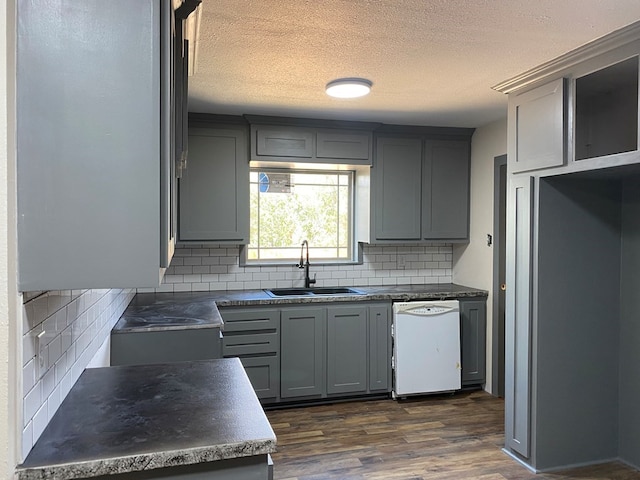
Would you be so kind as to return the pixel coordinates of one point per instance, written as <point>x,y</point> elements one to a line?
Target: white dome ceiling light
<point>348,87</point>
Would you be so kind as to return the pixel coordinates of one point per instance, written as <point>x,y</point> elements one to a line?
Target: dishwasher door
<point>426,347</point>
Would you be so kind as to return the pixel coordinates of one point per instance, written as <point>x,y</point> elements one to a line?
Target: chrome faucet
<point>308,281</point>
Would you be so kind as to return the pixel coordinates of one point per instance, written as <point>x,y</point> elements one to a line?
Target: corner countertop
<point>159,312</point>
<point>136,418</point>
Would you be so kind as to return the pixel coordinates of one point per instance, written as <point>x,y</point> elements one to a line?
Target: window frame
<point>354,247</point>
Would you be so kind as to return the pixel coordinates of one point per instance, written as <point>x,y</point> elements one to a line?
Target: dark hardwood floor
<point>437,437</point>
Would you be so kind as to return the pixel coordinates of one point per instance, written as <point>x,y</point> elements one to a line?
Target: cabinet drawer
<point>356,146</point>
<point>282,142</point>
<point>245,321</point>
<point>249,344</point>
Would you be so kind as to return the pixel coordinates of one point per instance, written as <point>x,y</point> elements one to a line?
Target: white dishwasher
<point>426,347</point>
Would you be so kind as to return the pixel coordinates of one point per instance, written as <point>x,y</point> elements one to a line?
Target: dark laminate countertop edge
<point>397,297</point>
<point>142,417</point>
<point>149,461</point>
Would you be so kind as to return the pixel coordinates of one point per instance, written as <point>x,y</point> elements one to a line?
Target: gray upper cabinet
<point>94,150</point>
<point>420,190</point>
<point>283,142</point>
<point>310,144</point>
<point>537,127</point>
<point>346,349</point>
<point>214,188</point>
<point>606,111</point>
<point>397,181</point>
<point>446,190</point>
<point>335,144</point>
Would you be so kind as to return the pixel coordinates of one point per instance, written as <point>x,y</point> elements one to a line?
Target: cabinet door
<point>537,128</point>
<point>346,349</point>
<point>446,190</point>
<point>302,347</point>
<point>398,189</point>
<point>518,315</point>
<point>90,149</point>
<point>342,145</point>
<point>264,374</point>
<point>283,142</point>
<point>380,348</point>
<point>473,332</point>
<point>214,189</point>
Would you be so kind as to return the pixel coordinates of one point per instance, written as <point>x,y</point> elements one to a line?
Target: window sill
<point>294,263</point>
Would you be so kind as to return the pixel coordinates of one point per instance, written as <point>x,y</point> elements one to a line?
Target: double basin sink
<point>312,292</point>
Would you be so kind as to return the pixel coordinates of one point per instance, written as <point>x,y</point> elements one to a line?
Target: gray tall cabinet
<point>572,263</point>
<point>95,130</point>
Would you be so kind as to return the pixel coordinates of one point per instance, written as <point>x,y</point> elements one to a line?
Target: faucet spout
<point>308,281</point>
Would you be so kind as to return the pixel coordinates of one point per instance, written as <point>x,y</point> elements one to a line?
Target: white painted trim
<point>590,50</point>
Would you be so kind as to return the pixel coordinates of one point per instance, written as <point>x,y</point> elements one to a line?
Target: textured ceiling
<point>432,62</point>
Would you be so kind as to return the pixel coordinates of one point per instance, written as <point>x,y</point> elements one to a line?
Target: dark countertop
<point>399,293</point>
<point>180,310</point>
<point>157,312</point>
<point>134,418</point>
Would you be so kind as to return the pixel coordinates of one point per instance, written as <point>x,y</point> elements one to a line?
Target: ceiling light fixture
<point>348,87</point>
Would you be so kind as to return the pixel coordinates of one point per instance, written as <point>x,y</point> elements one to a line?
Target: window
<point>289,206</point>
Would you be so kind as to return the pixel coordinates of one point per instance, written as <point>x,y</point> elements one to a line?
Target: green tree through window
<point>289,206</point>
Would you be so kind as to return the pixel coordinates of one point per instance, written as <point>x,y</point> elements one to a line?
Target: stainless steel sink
<point>314,291</point>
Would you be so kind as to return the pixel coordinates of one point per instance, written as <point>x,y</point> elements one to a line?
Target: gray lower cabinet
<point>335,350</point>
<point>302,343</point>
<point>420,190</point>
<point>142,347</point>
<point>379,348</point>
<point>311,352</point>
<point>346,349</point>
<point>253,335</point>
<point>473,329</point>
<point>214,188</point>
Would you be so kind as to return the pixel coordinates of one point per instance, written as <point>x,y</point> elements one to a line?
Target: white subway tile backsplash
<point>196,268</point>
<point>27,439</point>
<point>40,420</point>
<point>76,323</point>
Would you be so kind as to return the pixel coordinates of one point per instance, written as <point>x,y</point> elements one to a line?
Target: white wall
<point>9,344</point>
<point>473,263</point>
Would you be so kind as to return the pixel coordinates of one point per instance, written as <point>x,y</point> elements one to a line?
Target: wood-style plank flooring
<point>436,437</point>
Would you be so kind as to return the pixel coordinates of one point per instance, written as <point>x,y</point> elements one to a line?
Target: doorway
<point>499,254</point>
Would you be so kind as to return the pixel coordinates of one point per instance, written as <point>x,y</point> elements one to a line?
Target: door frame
<point>497,330</point>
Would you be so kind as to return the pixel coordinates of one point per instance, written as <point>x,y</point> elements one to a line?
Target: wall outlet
<point>41,351</point>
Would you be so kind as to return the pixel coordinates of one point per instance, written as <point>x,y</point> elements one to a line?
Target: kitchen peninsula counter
<point>182,416</point>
